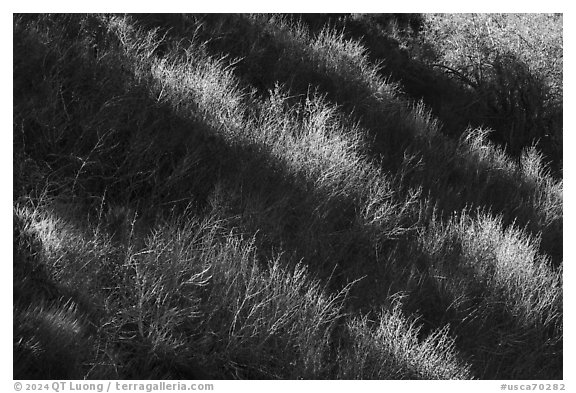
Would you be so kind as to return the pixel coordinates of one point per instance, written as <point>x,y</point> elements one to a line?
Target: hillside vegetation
<point>287,196</point>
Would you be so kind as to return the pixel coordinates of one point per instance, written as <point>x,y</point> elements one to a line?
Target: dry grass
<point>174,220</point>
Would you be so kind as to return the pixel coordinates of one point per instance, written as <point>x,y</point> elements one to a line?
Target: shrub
<point>513,63</point>
<point>390,348</point>
<point>50,342</point>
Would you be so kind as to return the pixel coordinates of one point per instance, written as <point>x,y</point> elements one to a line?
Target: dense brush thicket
<point>287,196</point>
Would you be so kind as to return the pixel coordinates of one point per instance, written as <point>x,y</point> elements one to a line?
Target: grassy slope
<point>188,204</point>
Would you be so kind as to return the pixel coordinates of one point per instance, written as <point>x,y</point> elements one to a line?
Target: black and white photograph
<point>287,196</point>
